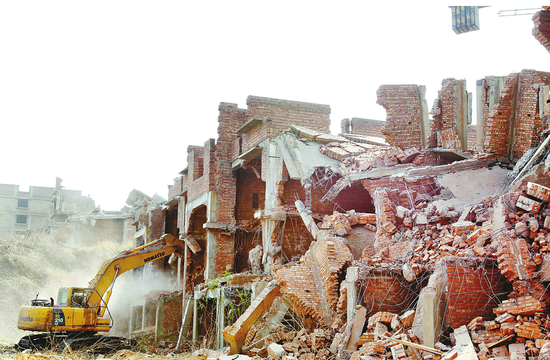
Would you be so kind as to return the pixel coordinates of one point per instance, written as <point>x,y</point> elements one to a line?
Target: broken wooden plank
<point>414,345</point>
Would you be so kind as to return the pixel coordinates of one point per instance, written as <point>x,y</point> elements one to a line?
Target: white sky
<point>108,95</point>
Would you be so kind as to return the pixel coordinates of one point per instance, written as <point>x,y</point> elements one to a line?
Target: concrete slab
<point>357,328</point>
<point>236,333</point>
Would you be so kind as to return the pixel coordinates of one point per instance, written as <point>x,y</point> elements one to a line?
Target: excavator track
<point>81,341</point>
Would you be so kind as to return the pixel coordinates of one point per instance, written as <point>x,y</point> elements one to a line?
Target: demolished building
<point>67,216</point>
<point>418,235</point>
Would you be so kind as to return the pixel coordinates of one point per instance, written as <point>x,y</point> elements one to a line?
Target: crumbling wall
<point>200,162</point>
<point>158,219</point>
<point>387,291</point>
<point>170,317</point>
<point>294,238</point>
<point>472,291</point>
<point>277,115</point>
<point>448,127</point>
<point>180,183</point>
<point>244,242</point>
<point>511,126</point>
<point>250,191</point>
<point>528,122</point>
<point>225,253</point>
<point>359,126</point>
<point>354,197</point>
<point>330,257</point>
<point>496,125</point>
<point>196,263</point>
<point>285,112</point>
<point>541,29</point>
<point>94,231</point>
<point>472,137</point>
<point>230,118</point>
<point>298,284</point>
<point>404,191</point>
<point>404,106</point>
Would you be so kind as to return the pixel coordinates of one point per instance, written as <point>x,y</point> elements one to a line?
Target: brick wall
<point>354,197</point>
<point>297,280</point>
<point>388,292</point>
<point>496,125</point>
<point>230,118</point>
<point>280,114</point>
<point>359,126</point>
<point>195,161</point>
<point>225,253</point>
<point>196,262</point>
<point>295,239</point>
<point>472,137</point>
<point>157,223</point>
<point>244,242</point>
<point>298,284</point>
<point>472,292</point>
<point>247,185</point>
<point>171,315</point>
<point>401,190</point>
<point>177,188</point>
<point>541,29</point>
<point>403,104</point>
<point>331,255</point>
<point>445,111</point>
<point>291,190</point>
<point>528,122</point>
<point>515,113</point>
<point>201,162</point>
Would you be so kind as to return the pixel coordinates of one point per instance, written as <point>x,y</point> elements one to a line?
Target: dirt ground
<point>11,354</point>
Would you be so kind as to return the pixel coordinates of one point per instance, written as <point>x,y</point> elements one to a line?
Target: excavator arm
<point>99,290</point>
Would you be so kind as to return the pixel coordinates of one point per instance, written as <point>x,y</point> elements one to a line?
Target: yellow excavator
<point>79,313</point>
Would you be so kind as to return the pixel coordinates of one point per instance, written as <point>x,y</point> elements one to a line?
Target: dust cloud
<point>37,265</point>
<point>132,290</point>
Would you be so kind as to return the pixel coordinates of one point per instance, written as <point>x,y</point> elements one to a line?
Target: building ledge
<point>452,154</point>
<point>250,124</point>
<point>251,154</point>
<point>219,226</point>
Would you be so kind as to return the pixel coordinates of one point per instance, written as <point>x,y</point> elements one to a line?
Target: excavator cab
<point>70,296</point>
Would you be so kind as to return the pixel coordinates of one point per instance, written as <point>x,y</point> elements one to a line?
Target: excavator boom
<point>128,260</point>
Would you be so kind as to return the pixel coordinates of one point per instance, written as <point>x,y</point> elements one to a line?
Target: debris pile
<point>492,252</point>
<point>356,157</point>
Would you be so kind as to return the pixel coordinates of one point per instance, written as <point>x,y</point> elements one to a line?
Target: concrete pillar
<point>211,236</point>
<point>236,333</point>
<point>144,314</point>
<point>308,220</point>
<point>159,318</point>
<point>462,114</point>
<point>211,250</point>
<point>131,322</point>
<point>272,173</point>
<point>432,306</point>
<point>479,115</point>
<point>352,275</point>
<point>220,318</point>
<point>268,226</point>
<point>196,297</point>
<point>125,231</point>
<point>425,116</point>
